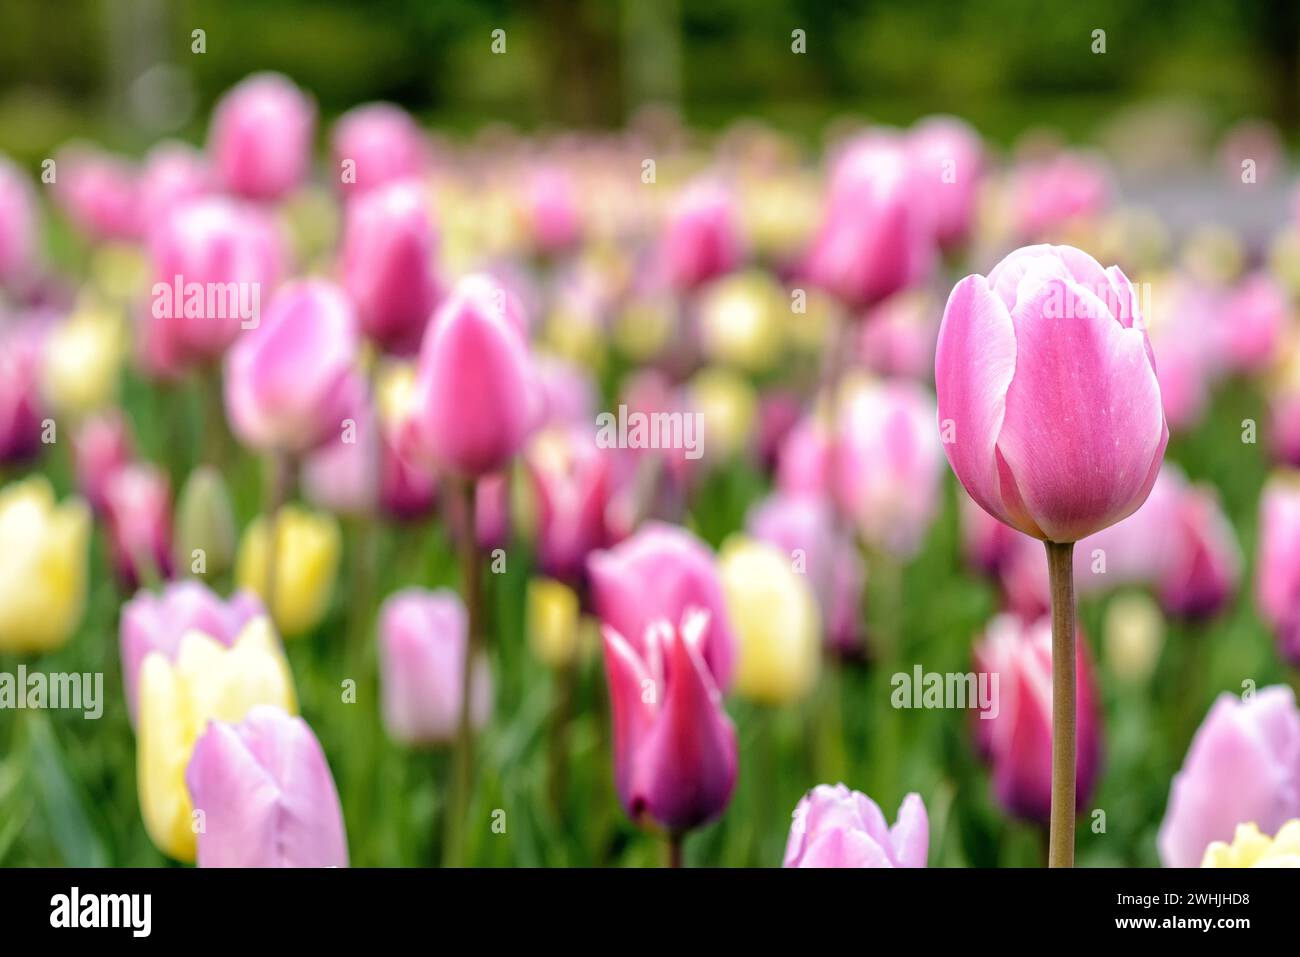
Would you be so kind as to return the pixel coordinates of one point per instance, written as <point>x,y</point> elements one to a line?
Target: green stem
<point>676,840</point>
<point>558,743</point>
<point>458,803</point>
<point>1060,570</point>
<point>280,469</point>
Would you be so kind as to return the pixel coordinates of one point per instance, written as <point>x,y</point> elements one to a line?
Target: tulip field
<point>378,494</point>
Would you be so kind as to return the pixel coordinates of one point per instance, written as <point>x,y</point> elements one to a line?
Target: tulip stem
<point>676,840</point>
<point>280,469</point>
<point>458,800</point>
<point>1060,571</point>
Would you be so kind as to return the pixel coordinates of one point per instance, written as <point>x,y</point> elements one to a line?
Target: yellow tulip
<point>729,406</point>
<point>775,618</point>
<point>553,621</point>
<point>1250,848</point>
<point>81,362</point>
<point>42,566</point>
<point>306,564</point>
<point>206,682</point>
<point>1134,633</point>
<point>742,320</point>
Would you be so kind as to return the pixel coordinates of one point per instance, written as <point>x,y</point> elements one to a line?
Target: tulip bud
<point>42,566</point>
<point>20,402</point>
<point>1243,767</point>
<point>674,746</point>
<point>1255,316</point>
<point>1055,461</point>
<point>776,620</point>
<point>1204,565</point>
<point>207,681</point>
<point>476,399</point>
<point>266,794</point>
<point>570,478</point>
<point>138,513</point>
<point>383,144</point>
<point>342,474</point>
<point>19,226</point>
<point>157,621</point>
<point>81,362</point>
<point>1250,848</point>
<point>836,827</point>
<point>554,622</point>
<point>389,247</point>
<point>1049,195</point>
<point>99,192</point>
<point>292,382</point>
<point>173,173</point>
<point>1015,731</point>
<point>1277,584</point>
<point>423,637</point>
<point>205,523</point>
<point>307,550</point>
<point>701,240</point>
<point>261,136</point>
<point>951,159</point>
<point>659,574</point>
<point>101,446</point>
<point>551,207</point>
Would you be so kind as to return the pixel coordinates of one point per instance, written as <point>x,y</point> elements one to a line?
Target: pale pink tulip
<point>836,827</point>
<point>261,137</point>
<point>382,142</point>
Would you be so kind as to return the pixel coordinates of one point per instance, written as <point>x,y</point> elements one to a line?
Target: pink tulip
<point>1017,739</point>
<point>836,827</point>
<point>1277,583</point>
<point>877,234</point>
<point>476,393</point>
<point>102,445</point>
<point>1254,316</point>
<point>261,137</point>
<point>951,158</point>
<point>138,514</point>
<point>226,259</point>
<point>422,641</point>
<point>779,413</point>
<point>1048,195</point>
<point>659,574</point>
<point>406,491</point>
<point>292,383</point>
<point>898,337</point>
<point>1284,426</point>
<point>889,464</point>
<point>492,511</point>
<point>99,192</point>
<point>553,211</point>
<point>1049,405</point>
<point>1202,564</point>
<point>20,401</point>
<point>384,144</point>
<point>570,479</point>
<point>988,544</point>
<point>568,392</point>
<point>173,174</point>
<point>156,622</point>
<point>804,528</point>
<point>266,793</point>
<point>19,226</point>
<point>342,474</point>
<point>803,463</point>
<point>388,264</point>
<point>701,240</point>
<point>675,752</point>
<point>1243,767</point>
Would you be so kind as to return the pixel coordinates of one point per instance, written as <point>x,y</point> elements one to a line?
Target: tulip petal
<point>630,712</point>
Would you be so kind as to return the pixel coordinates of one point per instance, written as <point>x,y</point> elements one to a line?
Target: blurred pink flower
<point>20,400</point>
<point>260,139</point>
<point>951,159</point>
<point>1254,316</point>
<point>1050,194</point>
<point>101,446</point>
<point>1277,567</point>
<point>836,827</point>
<point>138,515</point>
<point>20,234</point>
<point>701,239</point>
<point>99,192</point>
<point>384,144</point>
<point>570,482</point>
<point>173,173</point>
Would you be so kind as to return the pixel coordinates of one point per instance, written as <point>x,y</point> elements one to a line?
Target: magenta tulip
<point>701,240</point>
<point>422,642</point>
<point>292,383</point>
<point>836,827</point>
<point>101,446</point>
<point>266,793</point>
<point>261,137</point>
<point>382,142</point>
<point>1243,767</point>
<point>138,514</point>
<point>492,511</point>
<point>156,622</point>
<point>675,752</point>
<point>19,226</point>
<point>1015,732</point>
<point>570,480</point>
<point>20,400</point>
<point>659,574</point>
<point>1048,401</point>
<point>1277,580</point>
<point>406,491</point>
<point>552,210</point>
<point>951,160</point>
<point>476,392</point>
<point>388,264</point>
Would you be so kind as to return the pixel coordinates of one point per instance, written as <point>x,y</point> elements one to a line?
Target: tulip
<point>205,532</point>
<point>674,746</point>
<point>659,574</point>
<point>951,158</point>
<point>20,401</point>
<point>492,511</point>
<point>138,513</point>
<point>553,622</point>
<point>342,474</point>
<point>81,363</point>
<point>99,192</point>
<point>876,236</point>
<point>1133,634</point>
<point>389,246</point>
<point>1250,848</point>
<point>568,392</point>
<point>307,550</point>
<point>292,382</point>
<point>475,397</point>
<point>898,336</point>
<point>382,142</point>
<point>1243,767</point>
<point>19,226</point>
<point>266,794</point>
<point>157,621</point>
<point>1049,195</point>
<point>42,566</point>
<point>1277,580</point>
<point>1016,734</point>
<point>741,321</point>
<point>1255,316</point>
<point>776,620</point>
<point>989,545</point>
<point>1204,564</point>
<point>701,239</point>
<point>422,646</point>
<point>261,136</point>
<point>1185,331</point>
<point>552,210</point>
<point>173,174</point>
<point>206,681</point>
<point>406,492</point>
<point>101,446</point>
<point>836,827</point>
<point>226,258</point>
<point>570,478</point>
<point>803,528</point>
